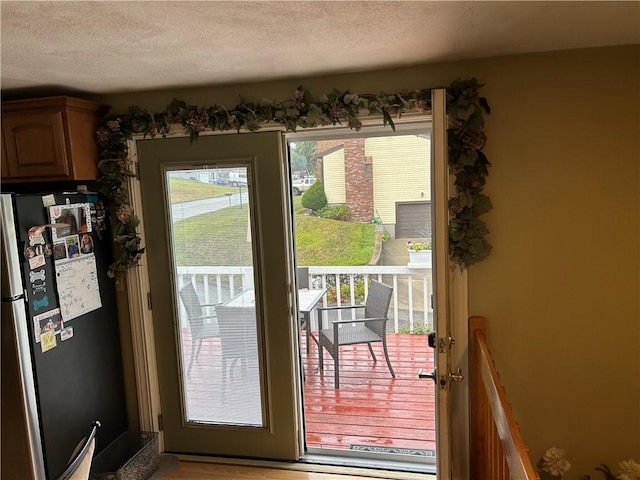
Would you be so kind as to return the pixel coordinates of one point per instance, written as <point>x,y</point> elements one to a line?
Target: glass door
<point>217,250</point>
<point>370,208</point>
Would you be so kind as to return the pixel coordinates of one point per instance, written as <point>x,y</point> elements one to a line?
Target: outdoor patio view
<point>362,220</point>
<point>371,199</point>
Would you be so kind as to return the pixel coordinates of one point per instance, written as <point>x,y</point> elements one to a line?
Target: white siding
<point>401,172</point>
<point>333,181</point>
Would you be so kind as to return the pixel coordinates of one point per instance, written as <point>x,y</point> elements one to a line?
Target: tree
<point>303,157</point>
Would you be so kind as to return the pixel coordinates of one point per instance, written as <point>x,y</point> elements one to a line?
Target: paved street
<point>182,211</point>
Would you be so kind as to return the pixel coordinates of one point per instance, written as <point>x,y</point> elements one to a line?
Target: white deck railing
<point>411,304</point>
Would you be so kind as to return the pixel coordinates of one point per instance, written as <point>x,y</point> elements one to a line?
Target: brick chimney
<point>358,173</point>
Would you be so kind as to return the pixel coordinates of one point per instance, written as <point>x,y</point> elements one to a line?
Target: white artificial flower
<point>554,463</point>
<point>629,470</point>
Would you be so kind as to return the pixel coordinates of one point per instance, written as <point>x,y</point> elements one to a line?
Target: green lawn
<point>320,241</point>
<point>212,239</point>
<point>185,190</point>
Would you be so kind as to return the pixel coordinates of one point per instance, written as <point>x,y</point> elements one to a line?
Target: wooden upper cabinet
<point>50,139</point>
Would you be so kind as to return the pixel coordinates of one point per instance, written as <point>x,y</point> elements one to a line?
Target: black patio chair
<point>370,329</point>
<point>202,326</point>
<point>239,339</point>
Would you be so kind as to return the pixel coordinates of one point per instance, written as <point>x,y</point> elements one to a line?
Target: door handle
<point>432,375</point>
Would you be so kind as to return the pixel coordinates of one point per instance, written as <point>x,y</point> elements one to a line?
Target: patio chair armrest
<point>360,320</point>
<point>345,307</point>
<point>203,317</point>
<point>210,304</point>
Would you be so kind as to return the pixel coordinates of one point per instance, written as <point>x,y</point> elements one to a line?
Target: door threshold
<point>393,466</point>
<point>324,464</point>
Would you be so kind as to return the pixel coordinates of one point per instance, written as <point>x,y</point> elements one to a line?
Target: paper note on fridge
<point>48,341</point>
<point>78,287</point>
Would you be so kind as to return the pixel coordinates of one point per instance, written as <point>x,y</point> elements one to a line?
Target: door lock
<point>442,343</point>
<point>456,376</point>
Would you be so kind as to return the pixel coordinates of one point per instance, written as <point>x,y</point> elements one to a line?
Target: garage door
<point>413,219</point>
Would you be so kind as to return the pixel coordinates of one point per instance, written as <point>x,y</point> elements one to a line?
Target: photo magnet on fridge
<point>59,251</point>
<point>66,333</point>
<point>70,219</point>
<point>35,256</point>
<point>35,235</point>
<point>73,246</point>
<point>47,321</point>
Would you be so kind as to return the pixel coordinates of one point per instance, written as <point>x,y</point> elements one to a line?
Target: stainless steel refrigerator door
<point>16,343</point>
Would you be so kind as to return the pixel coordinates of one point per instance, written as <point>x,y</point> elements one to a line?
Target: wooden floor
<point>370,408</point>
<point>214,471</point>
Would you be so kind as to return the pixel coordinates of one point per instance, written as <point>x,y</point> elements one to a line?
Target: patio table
<point>307,301</point>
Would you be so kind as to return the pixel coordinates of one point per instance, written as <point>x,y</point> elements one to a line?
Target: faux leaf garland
<point>466,140</point>
<point>469,164</point>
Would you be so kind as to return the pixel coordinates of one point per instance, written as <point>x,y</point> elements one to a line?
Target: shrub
<point>314,198</point>
<point>339,212</point>
<point>345,293</point>
<point>419,246</point>
<point>419,328</point>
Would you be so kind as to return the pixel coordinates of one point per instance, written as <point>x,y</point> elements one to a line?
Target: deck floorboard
<point>370,407</point>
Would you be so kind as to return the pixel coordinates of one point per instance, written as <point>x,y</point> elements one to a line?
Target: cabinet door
<point>35,145</point>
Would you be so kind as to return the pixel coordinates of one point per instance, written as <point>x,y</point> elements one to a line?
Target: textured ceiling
<point>113,46</point>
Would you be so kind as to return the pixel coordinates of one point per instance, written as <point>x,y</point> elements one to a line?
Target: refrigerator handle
<point>11,258</point>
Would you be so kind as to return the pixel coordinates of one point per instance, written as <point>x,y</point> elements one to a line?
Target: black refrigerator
<point>61,353</point>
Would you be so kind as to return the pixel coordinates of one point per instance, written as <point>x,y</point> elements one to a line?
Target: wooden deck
<point>370,408</point>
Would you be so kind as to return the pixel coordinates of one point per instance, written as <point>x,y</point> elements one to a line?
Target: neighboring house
<point>330,170</point>
<point>385,177</point>
<point>201,176</point>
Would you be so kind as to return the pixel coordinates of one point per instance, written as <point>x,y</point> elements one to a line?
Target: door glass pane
<point>210,235</point>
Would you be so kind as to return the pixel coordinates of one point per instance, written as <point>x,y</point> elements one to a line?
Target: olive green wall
<point>561,288</point>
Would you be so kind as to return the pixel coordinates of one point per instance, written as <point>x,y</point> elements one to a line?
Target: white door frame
<point>142,327</point>
<point>141,320</point>
<point>451,310</point>
<point>457,304</point>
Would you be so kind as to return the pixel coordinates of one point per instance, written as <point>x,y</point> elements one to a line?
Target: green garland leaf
<point>466,140</point>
